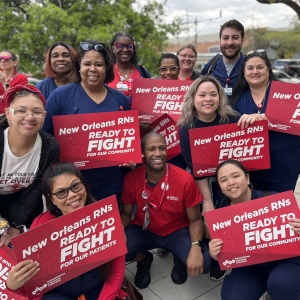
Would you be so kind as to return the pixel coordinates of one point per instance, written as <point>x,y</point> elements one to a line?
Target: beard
<point>235,53</point>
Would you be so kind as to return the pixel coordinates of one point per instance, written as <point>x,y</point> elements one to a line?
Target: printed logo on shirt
<point>173,198</point>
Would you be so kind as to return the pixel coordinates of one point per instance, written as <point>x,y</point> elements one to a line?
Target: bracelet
<point>22,228</point>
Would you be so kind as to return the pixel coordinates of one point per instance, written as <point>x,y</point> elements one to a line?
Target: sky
<point>248,12</point>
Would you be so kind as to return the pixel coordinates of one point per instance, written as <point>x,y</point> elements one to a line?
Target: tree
<point>293,4</point>
<point>30,28</point>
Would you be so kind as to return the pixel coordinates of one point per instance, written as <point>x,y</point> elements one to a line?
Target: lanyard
<point>227,81</point>
<point>122,78</point>
<point>164,187</point>
<point>146,195</point>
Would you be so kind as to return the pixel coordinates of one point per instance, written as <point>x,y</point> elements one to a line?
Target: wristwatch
<point>199,243</point>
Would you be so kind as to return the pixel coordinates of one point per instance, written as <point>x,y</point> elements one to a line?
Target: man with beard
<point>167,216</point>
<point>225,68</point>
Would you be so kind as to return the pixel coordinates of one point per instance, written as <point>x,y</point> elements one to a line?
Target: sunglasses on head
<point>5,58</point>
<point>262,51</point>
<point>88,46</point>
<point>121,46</point>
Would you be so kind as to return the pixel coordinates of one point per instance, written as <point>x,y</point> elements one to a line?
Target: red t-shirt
<point>113,84</point>
<point>171,216</point>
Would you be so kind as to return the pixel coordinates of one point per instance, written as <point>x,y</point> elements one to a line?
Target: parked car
<point>282,76</point>
<point>290,66</point>
<point>33,81</point>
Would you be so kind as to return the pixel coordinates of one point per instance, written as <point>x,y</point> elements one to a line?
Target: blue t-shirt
<point>46,86</point>
<point>284,148</point>
<point>72,99</point>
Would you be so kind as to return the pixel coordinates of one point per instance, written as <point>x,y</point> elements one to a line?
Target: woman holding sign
<point>65,192</point>
<point>26,152</point>
<point>250,98</point>
<point>281,278</point>
<point>205,105</point>
<point>91,95</point>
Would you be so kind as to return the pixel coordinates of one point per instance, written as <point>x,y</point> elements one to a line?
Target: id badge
<point>228,91</point>
<point>122,86</point>
<point>146,220</point>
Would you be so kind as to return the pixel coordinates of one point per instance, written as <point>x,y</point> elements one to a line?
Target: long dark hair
<point>134,60</point>
<point>241,84</point>
<point>47,184</point>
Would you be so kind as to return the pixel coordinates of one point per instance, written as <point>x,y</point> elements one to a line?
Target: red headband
<point>11,92</point>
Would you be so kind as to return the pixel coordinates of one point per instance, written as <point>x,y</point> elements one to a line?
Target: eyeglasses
<point>63,193</point>
<point>121,46</point>
<point>23,113</point>
<point>187,56</point>
<point>262,51</point>
<point>6,58</point>
<point>88,46</point>
<point>172,69</point>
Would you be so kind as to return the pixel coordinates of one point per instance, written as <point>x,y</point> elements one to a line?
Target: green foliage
<point>30,27</point>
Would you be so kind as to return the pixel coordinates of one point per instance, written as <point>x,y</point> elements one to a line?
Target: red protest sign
<point>283,109</point>
<point>255,231</point>
<point>155,97</point>
<point>168,129</point>
<point>7,261</point>
<point>98,140</point>
<point>72,245</point>
<point>212,145</point>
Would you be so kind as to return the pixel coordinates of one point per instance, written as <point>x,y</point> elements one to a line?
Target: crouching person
<point>167,216</point>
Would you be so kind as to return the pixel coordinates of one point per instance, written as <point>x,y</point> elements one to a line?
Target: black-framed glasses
<point>262,51</point>
<point>121,46</point>
<point>23,113</point>
<point>172,69</point>
<point>88,46</point>
<point>63,193</point>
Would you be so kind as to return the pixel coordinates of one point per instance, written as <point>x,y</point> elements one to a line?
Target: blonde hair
<point>187,46</point>
<point>189,113</point>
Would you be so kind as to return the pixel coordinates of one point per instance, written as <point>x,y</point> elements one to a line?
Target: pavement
<point>162,287</point>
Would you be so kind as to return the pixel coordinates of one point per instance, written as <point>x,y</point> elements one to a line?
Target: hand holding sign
<point>246,120</point>
<point>295,224</point>
<point>21,273</point>
<point>215,247</point>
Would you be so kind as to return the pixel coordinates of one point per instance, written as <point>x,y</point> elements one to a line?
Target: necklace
<point>56,82</point>
<point>261,104</point>
<point>97,96</point>
<point>125,77</point>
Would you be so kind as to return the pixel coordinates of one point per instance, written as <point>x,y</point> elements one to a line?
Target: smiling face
<point>234,183</point>
<point>206,101</point>
<point>256,72</point>
<point>123,56</point>
<point>73,201</point>
<point>187,59</point>
<point>7,65</point>
<point>168,69</point>
<point>93,70</point>
<point>155,154</point>
<point>231,43</point>
<point>60,60</point>
<point>28,126</point>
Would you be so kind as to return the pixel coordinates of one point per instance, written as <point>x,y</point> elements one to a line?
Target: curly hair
<point>134,60</point>
<point>189,112</point>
